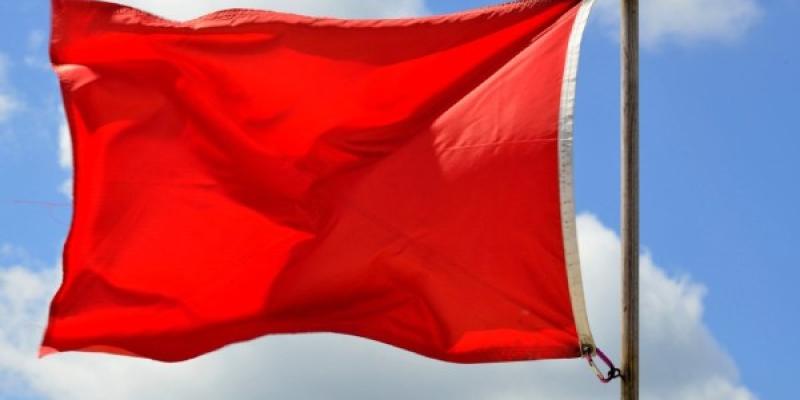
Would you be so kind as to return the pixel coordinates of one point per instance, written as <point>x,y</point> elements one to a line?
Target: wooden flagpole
<point>629,42</point>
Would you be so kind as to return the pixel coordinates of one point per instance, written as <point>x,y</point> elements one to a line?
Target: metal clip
<point>613,372</point>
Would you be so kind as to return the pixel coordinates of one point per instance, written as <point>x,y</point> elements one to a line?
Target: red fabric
<point>251,172</point>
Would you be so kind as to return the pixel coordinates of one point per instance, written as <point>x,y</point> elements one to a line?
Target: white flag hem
<point>566,180</point>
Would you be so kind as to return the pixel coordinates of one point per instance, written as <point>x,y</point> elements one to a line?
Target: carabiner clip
<point>613,372</point>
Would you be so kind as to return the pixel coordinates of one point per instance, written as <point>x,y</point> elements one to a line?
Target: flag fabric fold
<point>251,172</point>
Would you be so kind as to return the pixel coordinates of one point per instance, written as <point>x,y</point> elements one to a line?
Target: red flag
<point>251,172</point>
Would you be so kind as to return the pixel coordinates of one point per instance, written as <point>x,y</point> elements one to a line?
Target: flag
<point>250,172</point>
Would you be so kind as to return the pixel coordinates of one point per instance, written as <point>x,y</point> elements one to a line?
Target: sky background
<point>719,191</point>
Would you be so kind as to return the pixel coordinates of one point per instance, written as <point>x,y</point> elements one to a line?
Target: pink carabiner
<point>613,371</point>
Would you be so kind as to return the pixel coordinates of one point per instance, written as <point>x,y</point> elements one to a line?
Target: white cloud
<point>11,252</point>
<point>680,358</point>
<point>688,21</point>
<point>185,9</point>
<point>36,54</point>
<point>8,104</point>
<point>64,145</point>
<point>36,39</point>
<point>65,156</point>
<point>66,188</point>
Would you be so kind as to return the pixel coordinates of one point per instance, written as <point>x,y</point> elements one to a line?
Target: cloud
<point>65,156</point>
<point>66,188</point>
<point>185,9</point>
<point>8,103</point>
<point>9,252</point>
<point>7,106</point>
<point>36,52</point>
<point>688,21</point>
<point>64,145</point>
<point>680,358</point>
<point>36,39</point>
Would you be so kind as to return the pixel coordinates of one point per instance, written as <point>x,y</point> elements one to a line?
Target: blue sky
<point>719,195</point>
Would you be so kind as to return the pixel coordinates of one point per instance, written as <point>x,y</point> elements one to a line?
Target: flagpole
<point>629,42</point>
